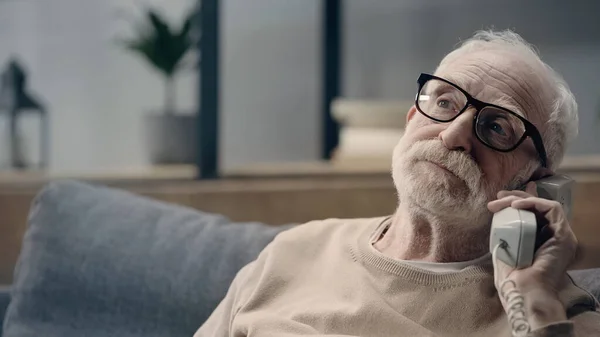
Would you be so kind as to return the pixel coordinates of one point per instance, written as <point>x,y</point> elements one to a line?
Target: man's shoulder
<point>321,232</point>
<point>326,227</point>
<point>313,246</point>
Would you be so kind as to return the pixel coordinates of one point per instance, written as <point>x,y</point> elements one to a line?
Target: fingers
<point>518,193</point>
<point>530,190</point>
<point>500,204</point>
<point>505,198</point>
<point>563,242</point>
<point>551,210</point>
<point>505,193</point>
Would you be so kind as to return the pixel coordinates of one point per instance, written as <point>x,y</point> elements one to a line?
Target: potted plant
<point>171,137</point>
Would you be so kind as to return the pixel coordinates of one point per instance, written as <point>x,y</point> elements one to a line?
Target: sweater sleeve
<point>220,321</point>
<point>584,324</point>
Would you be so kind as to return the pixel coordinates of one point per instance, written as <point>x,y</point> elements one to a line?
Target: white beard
<point>459,198</point>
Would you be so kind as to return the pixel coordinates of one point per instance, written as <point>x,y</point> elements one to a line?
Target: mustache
<point>458,162</point>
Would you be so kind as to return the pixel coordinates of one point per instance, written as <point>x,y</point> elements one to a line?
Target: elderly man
<point>492,119</point>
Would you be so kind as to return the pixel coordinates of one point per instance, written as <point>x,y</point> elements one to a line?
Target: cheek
<point>499,168</point>
<point>416,130</point>
<point>421,128</point>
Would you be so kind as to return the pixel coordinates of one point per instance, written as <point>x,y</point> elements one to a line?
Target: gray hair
<point>562,123</point>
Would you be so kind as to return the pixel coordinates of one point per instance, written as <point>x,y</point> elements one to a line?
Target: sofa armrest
<point>4,301</point>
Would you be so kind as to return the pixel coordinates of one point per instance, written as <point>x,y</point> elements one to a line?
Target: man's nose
<point>458,136</point>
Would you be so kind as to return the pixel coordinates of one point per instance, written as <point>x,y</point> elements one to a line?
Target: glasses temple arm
<point>539,145</point>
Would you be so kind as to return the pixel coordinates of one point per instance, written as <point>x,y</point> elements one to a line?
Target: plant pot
<point>171,138</point>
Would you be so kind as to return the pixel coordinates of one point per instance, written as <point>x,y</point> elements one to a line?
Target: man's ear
<point>411,113</point>
<point>541,172</point>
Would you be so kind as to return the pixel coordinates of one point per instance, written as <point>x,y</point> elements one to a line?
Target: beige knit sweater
<point>325,278</point>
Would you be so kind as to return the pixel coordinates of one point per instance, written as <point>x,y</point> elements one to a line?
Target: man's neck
<point>423,237</point>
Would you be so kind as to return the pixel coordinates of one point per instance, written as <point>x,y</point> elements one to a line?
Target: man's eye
<point>497,128</point>
<point>444,104</point>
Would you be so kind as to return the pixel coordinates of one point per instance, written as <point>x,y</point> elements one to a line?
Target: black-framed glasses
<point>496,127</point>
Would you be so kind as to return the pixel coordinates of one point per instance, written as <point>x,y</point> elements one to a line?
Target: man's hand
<point>540,283</point>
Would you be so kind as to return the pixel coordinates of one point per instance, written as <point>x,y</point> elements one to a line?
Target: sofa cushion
<point>102,262</point>
<point>4,301</point>
<point>588,279</point>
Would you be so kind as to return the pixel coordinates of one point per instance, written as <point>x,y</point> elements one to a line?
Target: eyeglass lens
<point>496,127</point>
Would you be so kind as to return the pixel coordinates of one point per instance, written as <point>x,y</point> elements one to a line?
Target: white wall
<point>270,81</point>
<point>98,93</point>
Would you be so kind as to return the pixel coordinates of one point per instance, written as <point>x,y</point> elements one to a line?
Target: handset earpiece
<point>559,188</point>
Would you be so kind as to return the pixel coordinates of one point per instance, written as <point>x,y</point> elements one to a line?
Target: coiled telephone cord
<point>513,299</point>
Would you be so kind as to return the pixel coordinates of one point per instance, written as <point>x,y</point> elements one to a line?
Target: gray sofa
<point>102,262</point>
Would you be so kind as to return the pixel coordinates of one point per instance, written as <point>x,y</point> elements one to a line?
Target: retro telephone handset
<point>515,236</point>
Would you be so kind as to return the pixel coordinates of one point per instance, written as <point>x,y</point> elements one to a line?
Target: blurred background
<point>106,103</point>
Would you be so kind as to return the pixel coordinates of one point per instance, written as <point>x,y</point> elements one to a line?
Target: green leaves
<point>162,46</point>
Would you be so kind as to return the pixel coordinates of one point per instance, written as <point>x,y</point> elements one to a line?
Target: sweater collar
<point>373,258</point>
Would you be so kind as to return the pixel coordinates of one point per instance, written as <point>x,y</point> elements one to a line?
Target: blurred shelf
<point>582,168</point>
<point>581,163</point>
<point>167,173</point>
<point>316,168</point>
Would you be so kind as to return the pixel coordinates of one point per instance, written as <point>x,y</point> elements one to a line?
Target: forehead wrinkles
<point>510,87</point>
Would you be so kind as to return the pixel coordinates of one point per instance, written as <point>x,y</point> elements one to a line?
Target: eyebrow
<point>509,103</point>
<point>504,101</point>
<point>439,86</point>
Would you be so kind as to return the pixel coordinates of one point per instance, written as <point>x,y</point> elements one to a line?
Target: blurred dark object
<point>15,101</point>
<point>331,39</point>
<point>170,136</point>
<point>207,161</point>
